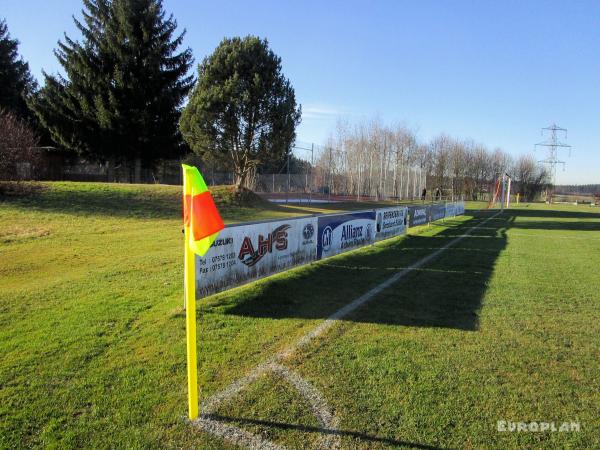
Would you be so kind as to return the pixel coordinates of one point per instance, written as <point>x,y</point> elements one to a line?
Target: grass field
<point>501,326</point>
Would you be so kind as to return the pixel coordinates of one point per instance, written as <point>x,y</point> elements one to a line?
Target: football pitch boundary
<point>330,438</point>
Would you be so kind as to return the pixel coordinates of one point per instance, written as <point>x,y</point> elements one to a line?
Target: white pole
<point>508,193</point>
<point>407,181</point>
<point>415,188</point>
<point>502,198</point>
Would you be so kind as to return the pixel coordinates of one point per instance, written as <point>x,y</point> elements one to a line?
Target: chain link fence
<point>315,172</point>
<point>310,172</point>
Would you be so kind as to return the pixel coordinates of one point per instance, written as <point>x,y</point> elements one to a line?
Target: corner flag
<point>202,224</point>
<point>200,216</point>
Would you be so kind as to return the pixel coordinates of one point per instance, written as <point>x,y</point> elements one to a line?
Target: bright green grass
<point>502,326</point>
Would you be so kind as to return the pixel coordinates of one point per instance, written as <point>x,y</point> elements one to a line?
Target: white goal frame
<point>501,192</point>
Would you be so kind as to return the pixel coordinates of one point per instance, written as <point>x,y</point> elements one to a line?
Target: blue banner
<point>339,233</point>
<point>437,212</point>
<point>450,209</point>
<point>418,215</point>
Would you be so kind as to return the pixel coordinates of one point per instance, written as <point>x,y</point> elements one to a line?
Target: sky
<point>492,71</point>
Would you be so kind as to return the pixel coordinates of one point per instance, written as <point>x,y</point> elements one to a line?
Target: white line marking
<point>234,435</point>
<point>317,403</point>
<point>240,437</point>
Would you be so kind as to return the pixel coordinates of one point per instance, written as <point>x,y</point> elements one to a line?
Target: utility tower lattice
<point>553,145</point>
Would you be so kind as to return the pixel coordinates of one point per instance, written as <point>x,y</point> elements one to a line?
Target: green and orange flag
<point>201,219</point>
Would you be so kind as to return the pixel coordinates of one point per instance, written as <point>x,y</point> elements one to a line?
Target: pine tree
<point>125,82</point>
<point>242,106</point>
<point>16,82</point>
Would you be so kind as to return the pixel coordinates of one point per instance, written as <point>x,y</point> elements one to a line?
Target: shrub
<point>19,155</point>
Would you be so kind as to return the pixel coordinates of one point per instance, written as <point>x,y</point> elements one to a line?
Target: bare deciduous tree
<point>531,177</point>
<point>379,161</point>
<point>18,155</point>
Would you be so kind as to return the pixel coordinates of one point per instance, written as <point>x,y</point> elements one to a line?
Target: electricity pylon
<point>553,145</point>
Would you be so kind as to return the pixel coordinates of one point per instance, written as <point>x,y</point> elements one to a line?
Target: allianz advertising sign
<point>339,233</point>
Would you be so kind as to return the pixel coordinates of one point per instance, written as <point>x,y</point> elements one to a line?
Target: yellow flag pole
<point>190,328</point>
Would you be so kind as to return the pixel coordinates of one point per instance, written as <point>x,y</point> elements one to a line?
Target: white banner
<point>391,222</point>
<point>245,252</point>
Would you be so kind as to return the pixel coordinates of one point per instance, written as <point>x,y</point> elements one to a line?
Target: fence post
<point>330,162</point>
<point>312,163</point>
<point>287,191</point>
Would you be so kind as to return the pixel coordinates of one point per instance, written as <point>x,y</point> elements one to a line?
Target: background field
<point>503,326</point>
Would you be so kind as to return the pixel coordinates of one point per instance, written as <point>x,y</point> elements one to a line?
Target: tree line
<point>383,161</point>
<point>578,189</point>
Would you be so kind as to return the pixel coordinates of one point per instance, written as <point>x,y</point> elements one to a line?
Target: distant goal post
<point>501,192</point>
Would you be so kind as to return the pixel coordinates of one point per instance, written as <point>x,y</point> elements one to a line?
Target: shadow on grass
<point>150,202</point>
<point>558,213</point>
<point>101,199</point>
<point>556,220</point>
<point>154,201</point>
<point>311,429</point>
<point>553,225</point>
<point>341,206</point>
<point>446,292</point>
<point>133,201</point>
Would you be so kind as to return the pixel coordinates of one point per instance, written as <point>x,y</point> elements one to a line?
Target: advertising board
<point>418,215</point>
<point>245,252</point>
<point>450,209</point>
<point>249,251</point>
<point>390,222</point>
<point>338,233</point>
<point>437,212</point>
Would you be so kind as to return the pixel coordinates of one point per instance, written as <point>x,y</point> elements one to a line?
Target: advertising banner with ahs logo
<point>418,215</point>
<point>243,253</point>
<point>391,222</point>
<point>339,233</point>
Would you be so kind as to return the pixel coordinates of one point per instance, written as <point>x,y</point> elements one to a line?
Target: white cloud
<point>321,112</point>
